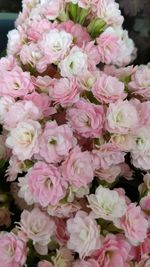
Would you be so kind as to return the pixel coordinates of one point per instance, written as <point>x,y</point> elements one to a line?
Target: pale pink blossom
<point>21,111</point>
<point>87,263</point>
<point>108,89</point>
<point>131,224</point>
<point>140,82</point>
<point>23,140</point>
<point>38,227</point>
<point>87,119</point>
<point>46,184</point>
<point>108,45</point>
<point>106,204</point>
<point>75,63</point>
<point>122,74</point>
<point>15,40</point>
<point>115,251</point>
<point>93,58</point>
<point>65,91</point>
<point>84,234</point>
<point>109,11</point>
<point>55,44</point>
<point>109,175</point>
<point>107,155</point>
<point>43,103</point>
<point>56,142</point>
<point>24,191</point>
<point>140,151</point>
<point>8,63</point>
<point>51,9</point>
<point>78,32</point>
<point>35,29</point>
<point>122,117</point>
<point>77,169</point>
<point>16,83</point>
<point>64,210</point>
<point>6,102</point>
<point>12,250</point>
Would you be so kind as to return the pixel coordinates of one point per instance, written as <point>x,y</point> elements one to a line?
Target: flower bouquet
<point>75,139</point>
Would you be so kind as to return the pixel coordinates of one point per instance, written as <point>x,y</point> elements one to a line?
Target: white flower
<point>24,191</point>
<point>5,104</point>
<point>14,42</point>
<point>74,64</point>
<point>23,139</point>
<point>55,45</point>
<point>107,204</point>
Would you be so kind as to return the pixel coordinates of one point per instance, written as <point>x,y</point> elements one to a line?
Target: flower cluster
<point>75,119</point>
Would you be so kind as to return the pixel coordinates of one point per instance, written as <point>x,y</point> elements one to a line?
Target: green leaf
<point>96,27</point>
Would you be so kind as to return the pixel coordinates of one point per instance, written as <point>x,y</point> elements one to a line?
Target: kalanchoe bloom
<point>108,89</point>
<point>84,234</point>
<point>78,169</point>
<point>115,250</point>
<point>56,142</point>
<point>64,91</point>
<point>55,44</point>
<point>74,64</point>
<point>131,224</point>
<point>109,175</point>
<point>5,104</point>
<point>51,9</point>
<point>87,263</point>
<point>64,210</point>
<point>13,251</point>
<point>121,117</point>
<point>140,82</point>
<point>79,33</point>
<point>15,83</point>
<point>108,45</point>
<point>86,119</point>
<point>38,227</point>
<point>23,140</point>
<point>46,184</point>
<point>106,204</point>
<point>22,110</point>
<point>107,155</point>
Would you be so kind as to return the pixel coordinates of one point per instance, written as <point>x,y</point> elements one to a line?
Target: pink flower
<point>114,252</point>
<point>46,184</point>
<point>65,91</point>
<point>55,44</point>
<point>12,250</point>
<point>8,63</point>
<point>51,9</point>
<point>77,169</point>
<point>56,142</point>
<point>16,83</point>
<point>108,155</point>
<point>45,264</point>
<point>86,118</point>
<point>38,227</point>
<point>43,103</point>
<point>36,29</point>
<point>21,111</point>
<point>109,175</point>
<point>23,140</point>
<point>121,117</point>
<point>108,89</point>
<point>6,102</point>
<point>84,234</point>
<point>93,56</point>
<point>131,223</point>
<point>78,32</point>
<point>64,210</point>
<point>87,263</point>
<point>108,45</point>
<point>140,82</point>
<point>61,232</point>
